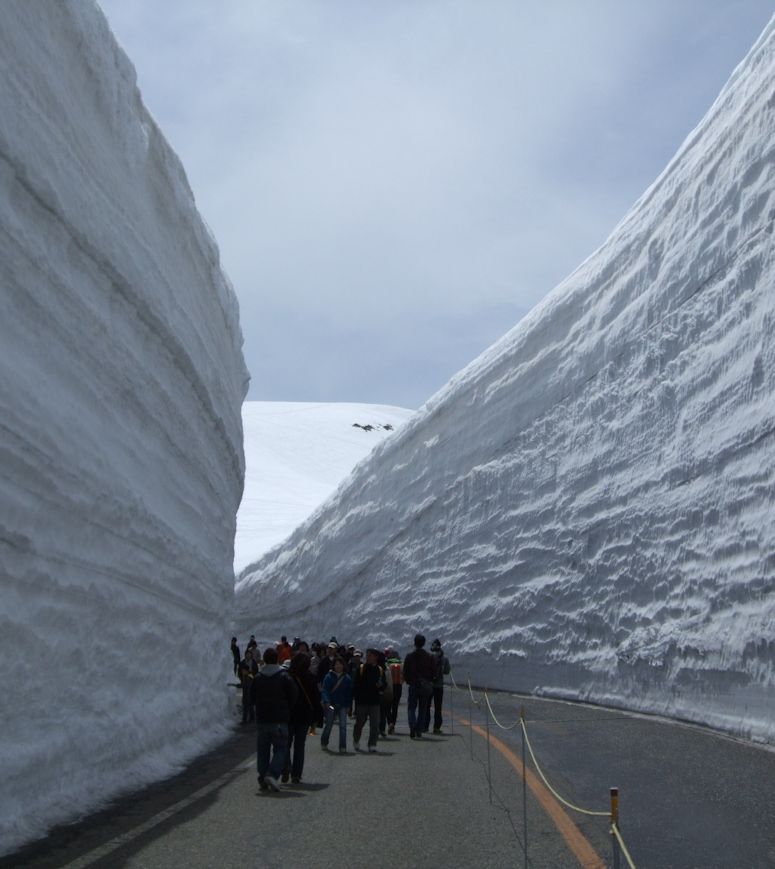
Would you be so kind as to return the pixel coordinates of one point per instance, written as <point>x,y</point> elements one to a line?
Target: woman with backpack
<point>303,714</point>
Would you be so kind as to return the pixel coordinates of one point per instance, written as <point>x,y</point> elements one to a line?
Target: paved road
<point>415,803</point>
<point>689,798</point>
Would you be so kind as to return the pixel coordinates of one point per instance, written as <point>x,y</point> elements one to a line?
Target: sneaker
<point>372,749</point>
<point>357,744</point>
<point>324,746</point>
<point>342,750</point>
<point>391,729</point>
<point>418,734</point>
<point>382,734</point>
<point>271,783</point>
<point>412,735</point>
<point>295,779</point>
<point>262,783</point>
<point>285,776</point>
<point>438,730</point>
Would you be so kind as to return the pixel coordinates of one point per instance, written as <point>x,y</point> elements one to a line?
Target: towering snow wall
<point>121,466</point>
<point>588,509</point>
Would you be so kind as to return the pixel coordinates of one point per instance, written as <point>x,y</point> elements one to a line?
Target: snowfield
<point>121,381</point>
<point>296,455</point>
<point>587,510</point>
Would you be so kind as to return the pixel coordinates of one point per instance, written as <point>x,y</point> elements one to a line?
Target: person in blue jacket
<point>337,693</point>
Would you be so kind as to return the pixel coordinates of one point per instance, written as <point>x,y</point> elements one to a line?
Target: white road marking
<point>114,844</point>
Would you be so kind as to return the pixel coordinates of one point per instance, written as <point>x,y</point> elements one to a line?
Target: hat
<point>358,652</point>
<point>350,646</point>
<point>333,645</point>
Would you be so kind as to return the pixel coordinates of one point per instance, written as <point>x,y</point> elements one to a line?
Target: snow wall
<point>588,509</point>
<point>121,466</point>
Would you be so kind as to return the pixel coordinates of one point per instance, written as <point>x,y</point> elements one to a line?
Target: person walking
<point>273,693</point>
<point>284,651</point>
<point>327,661</point>
<point>248,669</point>
<point>442,670</point>
<point>303,713</point>
<point>235,654</point>
<point>393,662</point>
<point>419,675</point>
<point>387,696</point>
<point>368,687</point>
<point>337,702</point>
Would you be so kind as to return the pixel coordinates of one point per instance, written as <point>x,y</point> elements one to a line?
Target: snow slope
<point>587,509</point>
<point>121,469</point>
<point>296,454</point>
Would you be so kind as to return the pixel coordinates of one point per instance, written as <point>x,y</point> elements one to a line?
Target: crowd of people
<point>292,690</point>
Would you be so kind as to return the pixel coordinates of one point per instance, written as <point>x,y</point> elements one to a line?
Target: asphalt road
<point>689,798</point>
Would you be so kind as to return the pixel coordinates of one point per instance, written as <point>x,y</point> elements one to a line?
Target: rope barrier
<point>473,699</point>
<point>502,726</point>
<point>521,721</point>
<point>615,831</point>
<point>551,789</point>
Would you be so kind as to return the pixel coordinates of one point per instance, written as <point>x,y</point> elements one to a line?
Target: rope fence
<point>619,847</point>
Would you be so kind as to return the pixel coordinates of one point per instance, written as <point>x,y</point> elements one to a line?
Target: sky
<point>394,184</point>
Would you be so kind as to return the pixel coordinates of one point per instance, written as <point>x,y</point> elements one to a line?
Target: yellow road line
<point>577,842</point>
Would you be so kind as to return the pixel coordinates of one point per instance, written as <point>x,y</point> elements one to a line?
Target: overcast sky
<point>393,184</point>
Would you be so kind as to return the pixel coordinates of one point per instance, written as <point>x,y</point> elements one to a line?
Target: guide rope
<point>615,831</point>
<point>502,726</point>
<point>551,789</point>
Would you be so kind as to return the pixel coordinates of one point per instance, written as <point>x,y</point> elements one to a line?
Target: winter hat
<point>436,645</point>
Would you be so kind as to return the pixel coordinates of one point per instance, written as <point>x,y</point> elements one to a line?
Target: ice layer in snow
<point>587,510</point>
<point>296,455</point>
<point>121,469</point>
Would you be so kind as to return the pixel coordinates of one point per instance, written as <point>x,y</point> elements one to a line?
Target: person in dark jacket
<point>247,672</point>
<point>303,713</point>
<point>419,675</point>
<point>235,654</point>
<point>273,693</point>
<point>442,670</point>
<point>368,688</point>
<point>327,661</point>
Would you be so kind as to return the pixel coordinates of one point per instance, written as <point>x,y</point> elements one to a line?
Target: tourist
<point>368,687</point>
<point>393,663</point>
<point>337,702</point>
<point>442,670</point>
<point>273,693</point>
<point>303,714</point>
<point>419,675</point>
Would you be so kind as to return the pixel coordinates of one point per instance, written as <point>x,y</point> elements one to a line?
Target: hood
<point>271,670</point>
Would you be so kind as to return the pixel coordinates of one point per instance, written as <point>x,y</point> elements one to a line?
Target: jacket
<point>273,693</point>
<point>442,668</point>
<point>419,664</point>
<point>369,684</point>
<point>307,706</point>
<point>343,695</point>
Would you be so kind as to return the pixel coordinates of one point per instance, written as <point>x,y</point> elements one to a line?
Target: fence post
<point>524,780</point>
<point>470,719</point>
<point>451,707</point>
<point>615,821</point>
<point>489,768</point>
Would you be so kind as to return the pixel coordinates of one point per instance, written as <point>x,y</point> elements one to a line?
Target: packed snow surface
<point>296,455</point>
<point>587,509</point>
<point>121,381</point>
